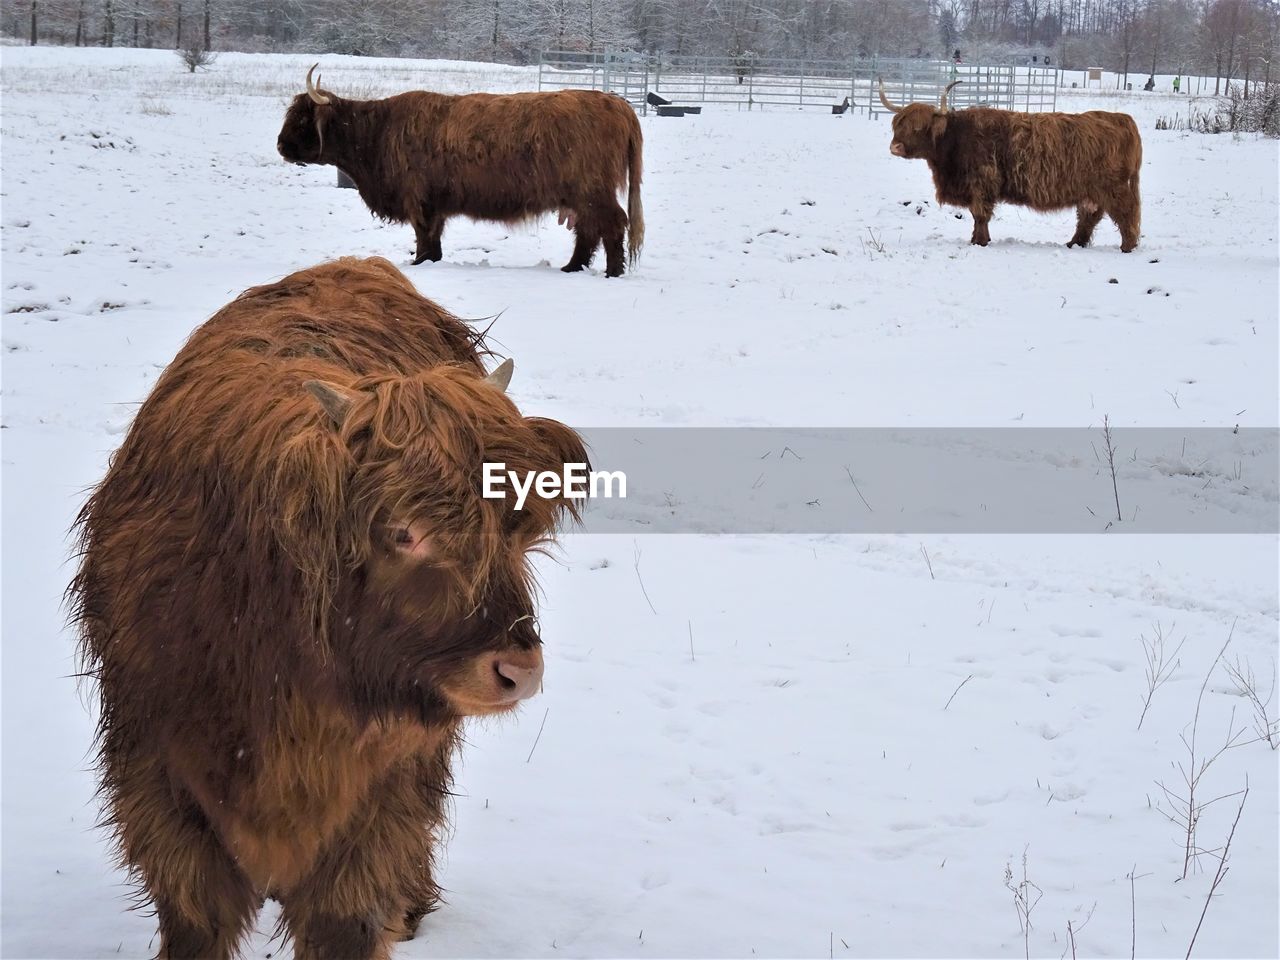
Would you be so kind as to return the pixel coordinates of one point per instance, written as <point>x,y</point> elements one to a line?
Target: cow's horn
<point>501,375</point>
<point>315,95</point>
<point>335,400</point>
<point>942,104</point>
<point>885,100</point>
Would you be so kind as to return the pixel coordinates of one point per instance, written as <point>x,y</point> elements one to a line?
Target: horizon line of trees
<point>1227,39</point>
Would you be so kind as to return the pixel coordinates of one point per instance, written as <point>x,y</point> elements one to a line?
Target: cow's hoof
<point>975,242</point>
<point>421,258</point>
<point>409,926</point>
<point>615,272</point>
<point>572,268</point>
<point>1129,249</point>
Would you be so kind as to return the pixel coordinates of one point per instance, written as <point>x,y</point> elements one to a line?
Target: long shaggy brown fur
<point>290,593</point>
<point>1048,161</point>
<point>421,158</point>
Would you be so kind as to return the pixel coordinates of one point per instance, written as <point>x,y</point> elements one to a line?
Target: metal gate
<point>753,83</point>
<point>748,82</point>
<point>620,72</point>
<point>1030,89</point>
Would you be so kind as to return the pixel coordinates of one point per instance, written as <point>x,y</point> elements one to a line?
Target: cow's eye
<point>410,540</point>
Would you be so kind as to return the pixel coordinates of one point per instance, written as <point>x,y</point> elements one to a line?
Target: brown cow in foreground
<point>1047,161</point>
<point>421,158</point>
<point>290,594</point>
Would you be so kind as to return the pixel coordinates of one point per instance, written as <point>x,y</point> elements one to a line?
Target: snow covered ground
<point>748,745</point>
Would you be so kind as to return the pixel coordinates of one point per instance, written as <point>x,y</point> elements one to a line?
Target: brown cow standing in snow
<point>1048,161</point>
<point>421,158</point>
<point>291,592</point>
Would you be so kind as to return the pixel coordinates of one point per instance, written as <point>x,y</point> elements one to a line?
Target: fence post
<point>875,72</point>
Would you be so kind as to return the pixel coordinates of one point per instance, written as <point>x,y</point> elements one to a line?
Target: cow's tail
<point>1134,178</point>
<point>1137,197</point>
<point>635,210</point>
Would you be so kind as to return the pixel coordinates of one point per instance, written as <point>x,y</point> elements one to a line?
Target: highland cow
<point>1049,161</point>
<point>291,592</point>
<point>421,158</point>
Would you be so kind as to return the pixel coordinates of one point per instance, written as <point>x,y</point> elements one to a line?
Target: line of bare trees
<point>116,23</point>
<point>1228,39</point>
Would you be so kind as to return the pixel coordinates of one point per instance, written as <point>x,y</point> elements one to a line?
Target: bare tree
<point>1218,30</point>
<point>195,54</point>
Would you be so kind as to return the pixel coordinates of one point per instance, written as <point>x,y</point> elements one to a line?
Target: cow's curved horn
<point>315,95</point>
<point>942,104</point>
<point>501,375</point>
<point>885,100</point>
<point>336,401</point>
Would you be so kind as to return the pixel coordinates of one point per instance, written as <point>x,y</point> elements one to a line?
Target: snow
<point>783,745</point>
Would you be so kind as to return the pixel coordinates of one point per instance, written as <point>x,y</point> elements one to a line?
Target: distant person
<point>955,57</point>
<point>1150,84</point>
<point>1177,83</point>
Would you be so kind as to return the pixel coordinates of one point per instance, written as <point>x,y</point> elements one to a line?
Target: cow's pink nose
<point>896,149</point>
<point>518,676</point>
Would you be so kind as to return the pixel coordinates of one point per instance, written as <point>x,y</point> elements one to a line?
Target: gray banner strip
<point>1011,480</point>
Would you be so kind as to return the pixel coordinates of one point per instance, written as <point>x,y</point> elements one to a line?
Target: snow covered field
<point>754,745</point>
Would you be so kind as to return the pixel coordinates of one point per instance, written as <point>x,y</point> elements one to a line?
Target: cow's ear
<point>939,124</point>
<point>335,400</point>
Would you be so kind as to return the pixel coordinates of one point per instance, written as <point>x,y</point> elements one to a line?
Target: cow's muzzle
<point>897,149</point>
<point>495,682</point>
<point>280,149</point>
<point>518,674</point>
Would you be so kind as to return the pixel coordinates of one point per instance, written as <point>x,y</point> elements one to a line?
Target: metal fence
<point>759,83</point>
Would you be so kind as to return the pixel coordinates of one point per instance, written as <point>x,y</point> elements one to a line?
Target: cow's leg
<point>423,895</point>
<point>586,239</point>
<point>428,777</point>
<point>981,210</point>
<point>1088,214</point>
<point>1126,211</point>
<point>428,231</point>
<point>203,902</point>
<point>614,232</point>
<point>372,883</point>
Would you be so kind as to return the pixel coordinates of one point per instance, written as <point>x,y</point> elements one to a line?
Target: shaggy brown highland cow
<point>421,158</point>
<point>1048,161</point>
<point>290,594</point>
